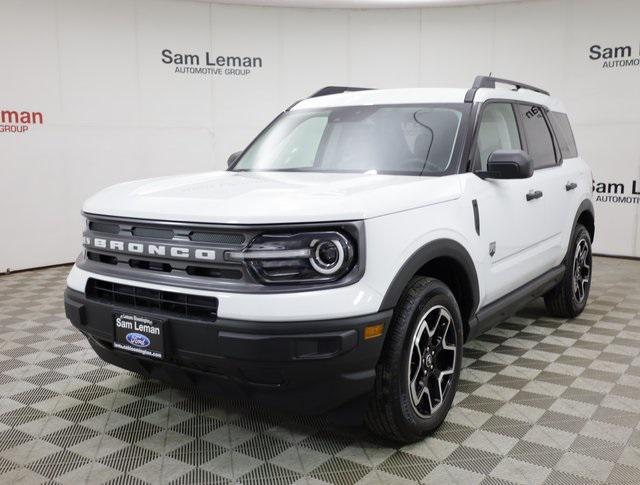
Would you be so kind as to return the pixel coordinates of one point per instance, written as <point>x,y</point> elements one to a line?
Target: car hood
<point>270,197</point>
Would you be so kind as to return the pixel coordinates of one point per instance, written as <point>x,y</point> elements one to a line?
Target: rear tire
<point>569,297</point>
<point>417,375</point>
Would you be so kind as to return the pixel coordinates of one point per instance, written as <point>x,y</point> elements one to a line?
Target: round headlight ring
<point>319,249</point>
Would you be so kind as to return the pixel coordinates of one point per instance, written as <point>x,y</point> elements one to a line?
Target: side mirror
<point>508,164</point>
<point>233,157</point>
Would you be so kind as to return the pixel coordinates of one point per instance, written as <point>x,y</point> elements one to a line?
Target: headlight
<point>327,256</point>
<point>303,257</point>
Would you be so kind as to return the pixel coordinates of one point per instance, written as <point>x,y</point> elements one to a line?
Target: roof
<point>425,95</point>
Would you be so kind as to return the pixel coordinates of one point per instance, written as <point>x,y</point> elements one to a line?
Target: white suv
<point>346,254</point>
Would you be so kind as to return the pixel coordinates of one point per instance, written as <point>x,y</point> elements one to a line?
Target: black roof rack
<point>490,82</point>
<point>336,90</point>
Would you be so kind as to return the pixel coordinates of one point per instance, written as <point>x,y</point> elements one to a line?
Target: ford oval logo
<point>138,340</point>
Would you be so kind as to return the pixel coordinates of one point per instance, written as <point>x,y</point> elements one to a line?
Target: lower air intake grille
<point>170,303</point>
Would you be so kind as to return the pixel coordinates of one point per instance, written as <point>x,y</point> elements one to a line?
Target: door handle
<point>570,186</point>
<point>534,194</point>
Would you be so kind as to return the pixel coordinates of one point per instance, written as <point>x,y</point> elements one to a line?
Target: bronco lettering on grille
<point>146,249</point>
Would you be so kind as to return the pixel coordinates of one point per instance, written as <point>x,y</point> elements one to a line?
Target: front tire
<point>418,371</point>
<point>569,297</point>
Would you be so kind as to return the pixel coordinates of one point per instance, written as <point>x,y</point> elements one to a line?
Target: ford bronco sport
<point>346,254</point>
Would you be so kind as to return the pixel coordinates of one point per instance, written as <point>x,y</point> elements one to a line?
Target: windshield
<point>403,139</point>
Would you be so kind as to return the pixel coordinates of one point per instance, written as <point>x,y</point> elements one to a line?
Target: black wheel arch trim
<point>435,249</point>
<point>585,206</point>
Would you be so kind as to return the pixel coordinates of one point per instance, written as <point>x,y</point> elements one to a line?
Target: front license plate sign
<point>139,334</point>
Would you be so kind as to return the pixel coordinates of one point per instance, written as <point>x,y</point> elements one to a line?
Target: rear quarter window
<point>564,134</point>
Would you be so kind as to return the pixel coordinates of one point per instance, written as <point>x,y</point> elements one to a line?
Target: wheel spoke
<point>445,345</point>
<point>416,373</point>
<point>416,348</point>
<point>579,288</point>
<point>431,331</point>
<point>417,338</point>
<point>442,374</point>
<point>414,379</point>
<point>428,394</point>
<point>416,396</point>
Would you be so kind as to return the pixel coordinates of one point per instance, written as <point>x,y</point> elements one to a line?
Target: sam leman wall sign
<point>17,121</point>
<point>617,192</point>
<point>615,56</point>
<point>209,63</point>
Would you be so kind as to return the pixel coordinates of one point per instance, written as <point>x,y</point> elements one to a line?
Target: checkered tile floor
<point>541,400</point>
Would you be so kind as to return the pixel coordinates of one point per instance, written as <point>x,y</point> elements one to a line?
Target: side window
<point>539,140</point>
<point>562,129</point>
<point>498,131</point>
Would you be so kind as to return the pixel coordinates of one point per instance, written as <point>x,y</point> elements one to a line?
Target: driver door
<point>510,223</point>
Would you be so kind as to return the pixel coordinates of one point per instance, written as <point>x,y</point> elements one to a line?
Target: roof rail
<point>490,82</point>
<point>327,90</point>
<point>336,90</point>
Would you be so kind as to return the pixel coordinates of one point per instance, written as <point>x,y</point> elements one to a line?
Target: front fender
<point>429,252</point>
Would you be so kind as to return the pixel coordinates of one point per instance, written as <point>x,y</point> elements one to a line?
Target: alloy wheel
<point>581,270</point>
<point>432,360</point>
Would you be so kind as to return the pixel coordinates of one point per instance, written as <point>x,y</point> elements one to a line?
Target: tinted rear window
<point>564,134</point>
<point>539,142</point>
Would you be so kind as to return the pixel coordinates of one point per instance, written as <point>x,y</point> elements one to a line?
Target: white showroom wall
<point>112,110</point>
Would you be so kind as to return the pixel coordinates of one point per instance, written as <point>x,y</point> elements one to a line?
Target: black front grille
<point>107,227</point>
<point>168,231</point>
<point>217,237</point>
<point>160,301</point>
<point>152,232</point>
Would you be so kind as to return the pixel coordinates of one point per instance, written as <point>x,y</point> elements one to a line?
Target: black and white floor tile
<point>541,400</point>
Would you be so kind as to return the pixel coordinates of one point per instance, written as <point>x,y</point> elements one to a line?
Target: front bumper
<point>348,301</point>
<point>305,367</point>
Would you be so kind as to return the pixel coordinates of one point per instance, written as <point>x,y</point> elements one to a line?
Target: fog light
<point>373,331</point>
